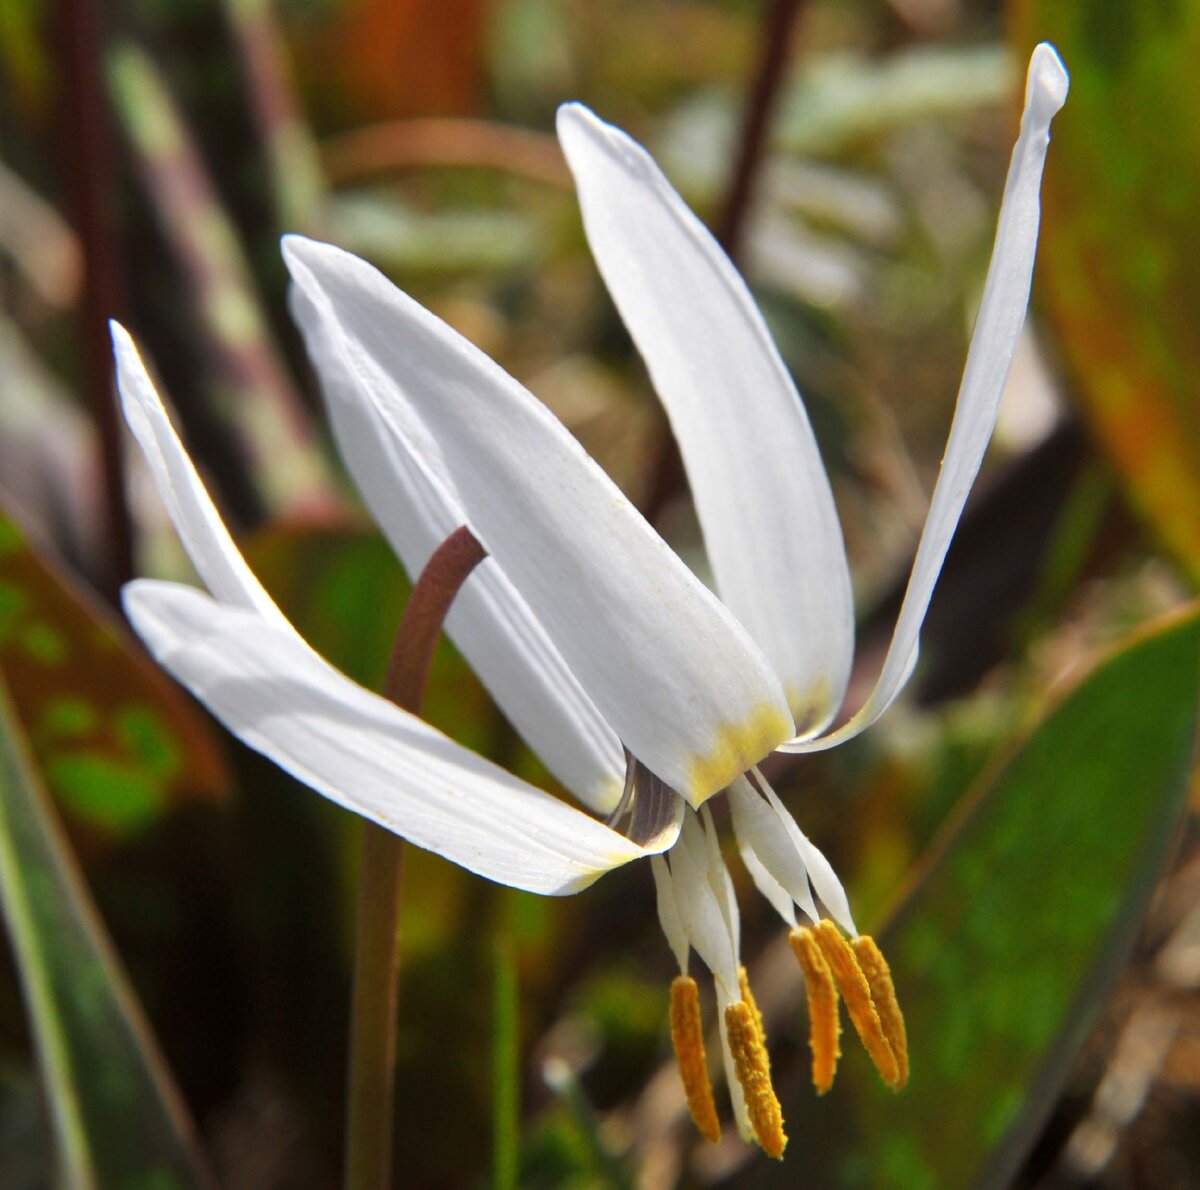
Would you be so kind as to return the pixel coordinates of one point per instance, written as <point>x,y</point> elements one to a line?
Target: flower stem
<point>372,1073</point>
<point>770,70</point>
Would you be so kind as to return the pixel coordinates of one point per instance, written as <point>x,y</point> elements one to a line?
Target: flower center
<point>698,912</point>
<point>650,803</point>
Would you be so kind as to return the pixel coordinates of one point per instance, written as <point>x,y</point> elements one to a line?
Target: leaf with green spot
<point>116,1116</point>
<point>117,742</point>
<point>1120,252</point>
<point>1012,935</point>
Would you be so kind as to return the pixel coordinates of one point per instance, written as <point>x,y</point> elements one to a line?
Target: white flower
<point>595,639</point>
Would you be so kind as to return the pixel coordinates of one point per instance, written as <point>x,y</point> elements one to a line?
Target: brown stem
<point>668,475</point>
<point>90,175</point>
<point>756,119</point>
<point>421,624</point>
<point>377,949</point>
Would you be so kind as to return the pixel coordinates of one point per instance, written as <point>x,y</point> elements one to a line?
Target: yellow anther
<point>852,983</point>
<point>824,1020</point>
<point>883,992</point>
<point>687,1035</point>
<point>752,1004</point>
<point>753,1071</point>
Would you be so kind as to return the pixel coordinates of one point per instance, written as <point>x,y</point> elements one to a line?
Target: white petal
<point>490,623</point>
<point>766,884</point>
<point>668,667</point>
<point>737,1096</point>
<point>760,488</point>
<point>761,831</point>
<point>196,520</point>
<point>699,909</point>
<point>668,911</point>
<point>1001,316</point>
<point>720,883</point>
<point>272,691</point>
<point>821,875</point>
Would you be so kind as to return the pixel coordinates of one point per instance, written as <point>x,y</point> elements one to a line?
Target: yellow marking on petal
<point>811,707</point>
<point>687,1036</point>
<point>752,1067</point>
<point>737,748</point>
<point>824,1019</point>
<point>887,1004</point>
<point>852,983</point>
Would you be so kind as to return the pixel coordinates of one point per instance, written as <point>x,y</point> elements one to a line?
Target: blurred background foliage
<point>1019,828</point>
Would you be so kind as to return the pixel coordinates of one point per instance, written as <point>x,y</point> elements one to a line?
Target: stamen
<point>750,1002</point>
<point>856,991</point>
<point>753,1073</point>
<point>824,1019</point>
<point>687,1036</point>
<point>887,1004</point>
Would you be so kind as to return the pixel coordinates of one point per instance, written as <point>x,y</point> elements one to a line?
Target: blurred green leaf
<point>293,167</point>
<point>1010,939</point>
<point>835,103</point>
<point>274,426</point>
<point>1120,252</point>
<point>116,1115</point>
<point>842,99</point>
<point>383,228</point>
<point>23,52</point>
<point>116,741</point>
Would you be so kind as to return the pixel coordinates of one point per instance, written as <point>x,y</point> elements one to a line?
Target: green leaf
<point>116,741</point>
<point>274,427</point>
<point>1011,938</point>
<point>382,228</point>
<point>1120,253</point>
<point>116,1115</point>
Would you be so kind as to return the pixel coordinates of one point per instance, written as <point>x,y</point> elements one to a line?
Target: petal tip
<point>574,113</point>
<point>121,338</point>
<point>1048,83</point>
<point>580,129</point>
<point>301,254</point>
<point>577,125</point>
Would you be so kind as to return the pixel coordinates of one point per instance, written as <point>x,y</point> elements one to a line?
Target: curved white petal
<point>741,1115</point>
<point>490,623</point>
<point>699,908</point>
<point>668,667</point>
<point>361,751</point>
<point>668,912</point>
<point>1001,315</point>
<point>760,488</point>
<point>776,895</point>
<point>722,885</point>
<point>821,876</point>
<point>199,525</point>
<point>762,832</point>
